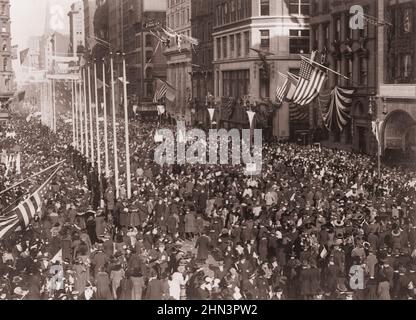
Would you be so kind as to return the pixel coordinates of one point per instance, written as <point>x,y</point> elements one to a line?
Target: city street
<point>208,150</point>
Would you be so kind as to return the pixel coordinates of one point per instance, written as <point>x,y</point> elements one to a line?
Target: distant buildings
<point>6,71</point>
<point>179,58</point>
<point>279,30</point>
<point>76,27</point>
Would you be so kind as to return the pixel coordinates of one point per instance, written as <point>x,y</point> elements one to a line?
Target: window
<point>264,39</point>
<point>337,28</point>
<point>238,37</point>
<point>294,71</point>
<point>364,31</point>
<point>347,29</point>
<point>5,63</point>
<point>233,11</point>
<point>236,83</point>
<point>247,42</point>
<point>232,46</point>
<point>299,41</point>
<point>187,15</point>
<point>315,34</point>
<point>177,19</point>
<point>148,40</point>
<point>325,6</point>
<point>183,17</point>
<point>363,71</point>
<point>218,48</point>
<point>264,7</point>
<point>224,47</point>
<point>326,35</point>
<point>299,7</point>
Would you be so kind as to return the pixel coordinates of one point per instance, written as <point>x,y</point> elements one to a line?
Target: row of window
<point>298,43</point>
<point>234,44</point>
<point>178,19</point>
<point>236,10</point>
<point>172,3</point>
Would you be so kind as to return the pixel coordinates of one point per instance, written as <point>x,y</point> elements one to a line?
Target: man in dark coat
<point>203,246</point>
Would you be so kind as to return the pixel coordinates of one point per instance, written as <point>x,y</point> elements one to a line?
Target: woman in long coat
<point>103,285</point>
<point>138,285</point>
<point>177,280</point>
<point>383,290</point>
<point>100,224</point>
<point>116,276</point>
<point>189,225</point>
<point>80,276</point>
<point>126,288</point>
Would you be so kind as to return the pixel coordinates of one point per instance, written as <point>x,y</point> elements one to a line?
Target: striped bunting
<point>338,111</point>
<point>310,83</point>
<point>298,113</point>
<point>24,213</point>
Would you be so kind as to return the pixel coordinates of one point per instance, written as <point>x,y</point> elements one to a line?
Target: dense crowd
<point>316,224</point>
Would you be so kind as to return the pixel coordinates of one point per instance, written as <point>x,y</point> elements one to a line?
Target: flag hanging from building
<point>164,89</point>
<point>310,83</point>
<point>376,128</point>
<point>292,84</point>
<point>24,213</point>
<point>338,110</point>
<point>281,90</point>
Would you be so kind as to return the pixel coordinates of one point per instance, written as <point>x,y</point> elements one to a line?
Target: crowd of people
<point>316,224</point>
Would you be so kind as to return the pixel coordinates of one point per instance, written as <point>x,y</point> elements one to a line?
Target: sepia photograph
<point>236,151</point>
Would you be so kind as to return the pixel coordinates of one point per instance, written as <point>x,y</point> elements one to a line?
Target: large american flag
<point>310,83</point>
<point>23,214</point>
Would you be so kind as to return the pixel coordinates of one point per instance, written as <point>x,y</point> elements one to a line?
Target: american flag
<point>281,90</point>
<point>310,83</point>
<point>23,214</point>
<point>164,89</point>
<point>160,92</point>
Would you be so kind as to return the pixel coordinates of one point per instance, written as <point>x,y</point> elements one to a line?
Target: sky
<point>28,18</point>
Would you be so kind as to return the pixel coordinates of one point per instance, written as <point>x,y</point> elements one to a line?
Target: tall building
<point>179,59</point>
<point>145,61</point>
<point>89,10</point>
<point>352,53</point>
<point>279,29</point>
<point>76,27</point>
<point>6,71</point>
<point>32,61</point>
<point>202,21</point>
<point>396,70</point>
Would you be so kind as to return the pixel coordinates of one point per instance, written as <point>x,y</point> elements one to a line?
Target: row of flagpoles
<point>84,98</point>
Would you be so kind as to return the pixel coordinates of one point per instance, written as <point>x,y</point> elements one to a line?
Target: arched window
<point>5,63</point>
<point>149,73</point>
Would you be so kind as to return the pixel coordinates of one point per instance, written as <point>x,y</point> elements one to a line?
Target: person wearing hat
<point>203,246</point>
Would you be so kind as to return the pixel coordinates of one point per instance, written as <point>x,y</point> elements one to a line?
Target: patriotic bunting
<point>338,111</point>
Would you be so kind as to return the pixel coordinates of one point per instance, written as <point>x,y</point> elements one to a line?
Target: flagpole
<point>90,111</point>
<point>85,114</point>
<point>107,170</point>
<point>96,121</point>
<point>32,176</point>
<point>73,114</point>
<point>81,125</point>
<point>76,115</point>
<point>322,66</point>
<point>53,106</point>
<point>126,129</point>
<point>113,103</point>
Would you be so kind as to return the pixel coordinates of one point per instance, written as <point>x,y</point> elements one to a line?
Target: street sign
<point>151,24</point>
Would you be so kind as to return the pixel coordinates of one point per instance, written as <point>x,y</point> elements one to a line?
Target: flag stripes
<point>24,213</point>
<point>310,83</point>
<point>281,90</point>
<point>160,93</point>
<point>298,113</point>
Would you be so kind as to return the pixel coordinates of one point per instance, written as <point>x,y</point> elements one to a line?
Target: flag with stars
<point>24,213</point>
<point>310,83</point>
